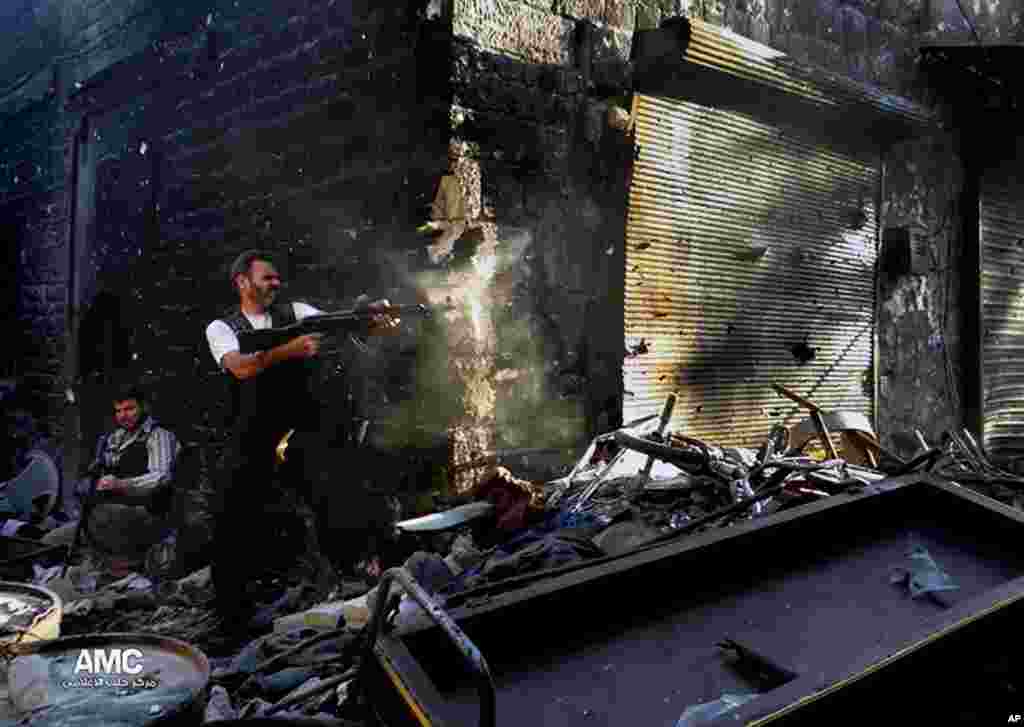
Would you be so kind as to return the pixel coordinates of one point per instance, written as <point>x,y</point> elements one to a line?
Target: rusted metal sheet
<point>1002,307</point>
<point>745,248</point>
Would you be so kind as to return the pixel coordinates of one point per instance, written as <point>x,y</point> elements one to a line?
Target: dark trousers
<point>330,478</point>
<point>243,541</point>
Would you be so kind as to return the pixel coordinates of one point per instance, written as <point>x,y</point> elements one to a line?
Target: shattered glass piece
<point>924,575</point>
<point>698,714</point>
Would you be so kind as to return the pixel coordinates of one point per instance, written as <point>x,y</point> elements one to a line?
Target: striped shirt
<point>162,446</point>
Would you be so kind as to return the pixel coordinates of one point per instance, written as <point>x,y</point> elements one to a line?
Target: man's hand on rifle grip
<point>306,346</point>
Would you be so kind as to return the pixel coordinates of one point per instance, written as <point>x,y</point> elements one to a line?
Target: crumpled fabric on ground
<point>625,536</point>
<point>282,681</point>
<point>547,551</point>
<point>514,500</point>
<point>249,658</point>
<point>266,613</point>
<point>218,706</point>
<point>255,707</point>
<point>429,570</point>
<point>464,555</point>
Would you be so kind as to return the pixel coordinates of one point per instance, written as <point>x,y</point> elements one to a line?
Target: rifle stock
<point>355,321</point>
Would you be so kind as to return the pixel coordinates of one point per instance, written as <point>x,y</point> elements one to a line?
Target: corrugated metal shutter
<point>1002,308</point>
<point>724,51</point>
<point>710,188</point>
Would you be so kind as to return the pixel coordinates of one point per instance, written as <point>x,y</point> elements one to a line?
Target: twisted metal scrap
<point>963,459</point>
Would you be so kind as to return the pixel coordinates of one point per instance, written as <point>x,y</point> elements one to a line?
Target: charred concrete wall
<point>920,313</point>
<point>539,91</point>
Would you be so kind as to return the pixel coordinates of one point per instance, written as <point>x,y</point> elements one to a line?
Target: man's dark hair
<point>124,392</point>
<point>243,263</point>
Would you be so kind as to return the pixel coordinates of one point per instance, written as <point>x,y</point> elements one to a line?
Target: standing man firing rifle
<point>271,395</point>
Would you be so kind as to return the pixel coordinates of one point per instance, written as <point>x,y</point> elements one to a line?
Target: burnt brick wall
<point>314,134</point>
<point>314,129</point>
<point>34,220</point>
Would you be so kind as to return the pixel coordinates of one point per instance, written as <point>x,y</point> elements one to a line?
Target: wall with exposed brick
<point>319,128</point>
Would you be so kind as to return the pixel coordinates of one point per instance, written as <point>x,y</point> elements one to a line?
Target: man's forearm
<point>247,365</point>
<point>145,483</point>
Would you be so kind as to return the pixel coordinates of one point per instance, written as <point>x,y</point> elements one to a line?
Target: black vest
<point>134,460</point>
<point>281,395</point>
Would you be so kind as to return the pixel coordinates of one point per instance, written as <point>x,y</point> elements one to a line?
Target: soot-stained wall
<point>320,129</point>
<point>315,130</point>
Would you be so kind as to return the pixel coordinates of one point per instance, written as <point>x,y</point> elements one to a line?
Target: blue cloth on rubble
<point>429,570</point>
<point>541,548</point>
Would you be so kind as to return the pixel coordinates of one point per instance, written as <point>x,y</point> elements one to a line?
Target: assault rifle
<point>93,474</point>
<point>354,321</point>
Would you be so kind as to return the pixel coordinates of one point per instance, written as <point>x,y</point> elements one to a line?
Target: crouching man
<point>133,465</point>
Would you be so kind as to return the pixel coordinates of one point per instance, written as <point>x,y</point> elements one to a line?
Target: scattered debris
<point>923,576</point>
<point>962,460</point>
<point>633,487</point>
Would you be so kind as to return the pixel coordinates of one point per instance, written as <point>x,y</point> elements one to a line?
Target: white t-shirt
<point>223,340</point>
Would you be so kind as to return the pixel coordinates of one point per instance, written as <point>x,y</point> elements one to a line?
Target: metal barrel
<point>28,614</point>
<point>115,680</point>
